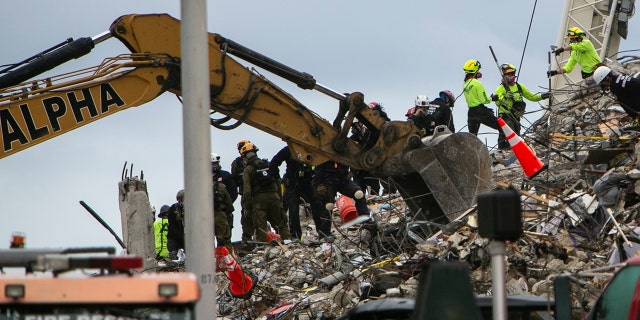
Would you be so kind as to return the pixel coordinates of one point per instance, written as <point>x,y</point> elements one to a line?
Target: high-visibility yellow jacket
<point>584,54</point>
<point>160,228</point>
<point>474,93</point>
<point>517,92</point>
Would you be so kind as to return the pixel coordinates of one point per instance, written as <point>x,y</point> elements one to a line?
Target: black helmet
<point>164,211</point>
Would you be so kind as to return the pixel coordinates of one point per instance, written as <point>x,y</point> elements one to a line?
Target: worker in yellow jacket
<point>160,228</point>
<point>509,97</point>
<point>477,98</point>
<point>582,52</point>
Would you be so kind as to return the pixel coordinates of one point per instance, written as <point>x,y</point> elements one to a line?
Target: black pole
<point>103,223</point>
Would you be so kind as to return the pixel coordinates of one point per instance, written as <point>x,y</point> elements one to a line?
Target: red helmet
<point>375,106</point>
<point>410,112</point>
<point>447,93</point>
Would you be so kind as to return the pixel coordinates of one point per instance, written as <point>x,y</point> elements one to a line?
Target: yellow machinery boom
<point>438,176</point>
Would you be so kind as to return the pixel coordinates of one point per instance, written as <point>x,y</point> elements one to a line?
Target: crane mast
<point>604,22</point>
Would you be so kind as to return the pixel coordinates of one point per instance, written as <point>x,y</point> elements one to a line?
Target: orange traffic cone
<point>240,285</point>
<point>528,160</point>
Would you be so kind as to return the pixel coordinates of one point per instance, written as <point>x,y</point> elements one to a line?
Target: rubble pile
<point>565,233</point>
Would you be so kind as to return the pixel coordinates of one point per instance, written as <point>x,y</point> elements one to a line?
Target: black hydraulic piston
<point>302,79</point>
<point>48,61</point>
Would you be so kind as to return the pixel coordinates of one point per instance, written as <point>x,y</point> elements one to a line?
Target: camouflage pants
<point>246,221</point>
<point>221,227</point>
<point>267,207</point>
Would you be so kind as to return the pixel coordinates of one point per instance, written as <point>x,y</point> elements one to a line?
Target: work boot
<point>223,242</point>
<point>247,246</point>
<point>504,145</point>
<point>328,239</point>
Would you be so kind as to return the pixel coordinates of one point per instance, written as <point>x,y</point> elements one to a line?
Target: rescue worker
<point>378,107</point>
<point>421,116</point>
<point>608,188</point>
<point>261,195</point>
<point>582,52</point>
<point>224,177</point>
<point>363,178</point>
<point>444,113</point>
<point>332,177</point>
<point>160,230</point>
<point>476,97</point>
<point>246,221</point>
<point>509,97</point>
<point>175,231</point>
<point>297,184</point>
<point>222,206</point>
<point>624,87</point>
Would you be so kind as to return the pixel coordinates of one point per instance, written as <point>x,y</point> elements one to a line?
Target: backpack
<point>518,107</point>
<point>264,176</point>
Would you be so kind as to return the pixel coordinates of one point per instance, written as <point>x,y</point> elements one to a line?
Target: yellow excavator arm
<point>245,95</point>
<point>439,175</point>
<point>39,110</point>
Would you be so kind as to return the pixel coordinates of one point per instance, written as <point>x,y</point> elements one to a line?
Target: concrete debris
<point>566,232</point>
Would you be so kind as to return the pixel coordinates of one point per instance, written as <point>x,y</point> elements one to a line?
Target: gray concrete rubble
<point>566,232</point>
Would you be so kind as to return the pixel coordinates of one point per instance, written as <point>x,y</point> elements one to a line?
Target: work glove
<point>321,190</point>
<point>494,97</point>
<point>558,51</point>
<point>551,73</point>
<point>545,95</point>
<point>623,184</point>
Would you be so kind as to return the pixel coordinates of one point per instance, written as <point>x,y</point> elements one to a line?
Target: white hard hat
<point>634,174</point>
<point>601,73</point>
<point>215,157</point>
<point>422,100</point>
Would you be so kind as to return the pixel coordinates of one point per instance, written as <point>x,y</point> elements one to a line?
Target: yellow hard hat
<point>247,147</point>
<point>241,143</point>
<point>471,66</point>
<point>507,68</point>
<point>575,32</point>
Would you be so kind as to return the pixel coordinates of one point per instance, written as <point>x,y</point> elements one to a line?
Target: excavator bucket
<point>442,178</point>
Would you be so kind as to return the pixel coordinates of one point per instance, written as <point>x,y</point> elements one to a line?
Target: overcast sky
<point>389,50</point>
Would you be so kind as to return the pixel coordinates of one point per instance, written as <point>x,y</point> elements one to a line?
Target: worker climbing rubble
<point>477,99</point>
<point>582,52</point>
<point>509,97</point>
<point>624,87</point>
